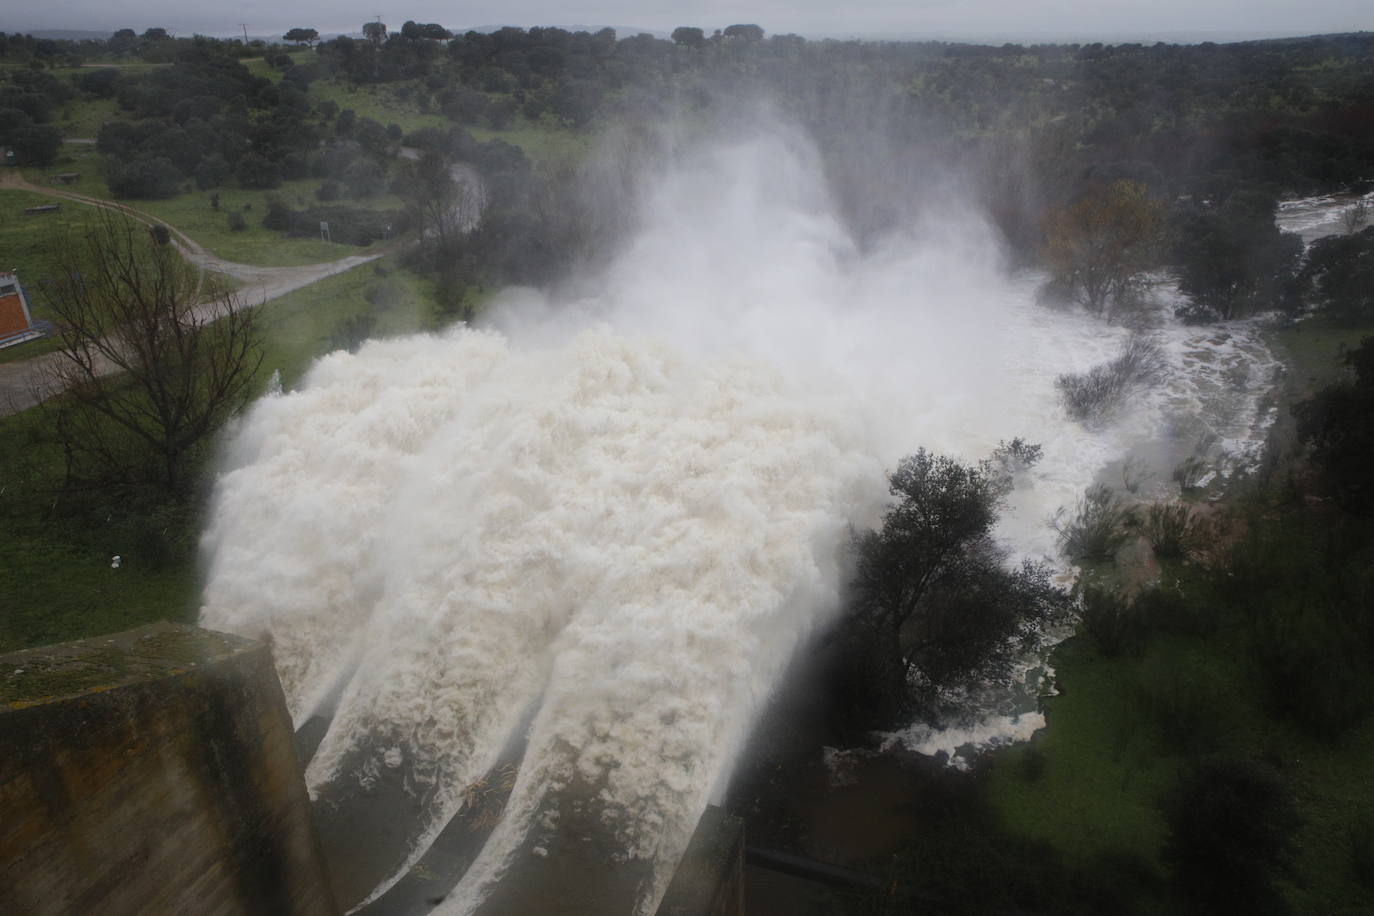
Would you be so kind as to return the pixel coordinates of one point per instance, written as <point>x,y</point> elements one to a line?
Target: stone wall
<point>153,772</point>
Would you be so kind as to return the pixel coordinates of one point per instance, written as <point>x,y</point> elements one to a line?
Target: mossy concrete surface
<point>709,880</point>
<point>152,772</point>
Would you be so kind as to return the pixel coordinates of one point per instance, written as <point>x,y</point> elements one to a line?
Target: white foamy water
<point>1316,217</point>
<point>624,512</point>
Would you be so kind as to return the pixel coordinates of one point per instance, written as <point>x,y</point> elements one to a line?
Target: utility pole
<point>244,26</point>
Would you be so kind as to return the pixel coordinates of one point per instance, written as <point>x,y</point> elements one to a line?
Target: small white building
<point>16,321</point>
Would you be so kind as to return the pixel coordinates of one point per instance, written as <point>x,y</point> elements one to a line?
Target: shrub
<point>1111,620</point>
<point>351,333</point>
<point>212,171</point>
<point>1190,705</point>
<point>1231,826</point>
<point>347,225</point>
<point>255,171</point>
<point>1097,529</point>
<point>1169,608</point>
<point>1134,475</point>
<point>1339,423</point>
<point>236,222</point>
<point>1172,530</point>
<point>143,177</point>
<point>278,216</point>
<point>1311,667</point>
<point>1094,397</point>
<point>1191,473</point>
<point>329,191</point>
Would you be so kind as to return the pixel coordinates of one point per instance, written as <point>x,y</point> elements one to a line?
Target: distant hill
<point>68,34</point>
<point>621,31</point>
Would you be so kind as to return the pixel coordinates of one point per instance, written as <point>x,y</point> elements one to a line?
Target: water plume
<point>604,524</point>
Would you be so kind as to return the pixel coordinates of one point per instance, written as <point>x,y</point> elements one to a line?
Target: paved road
<point>24,383</point>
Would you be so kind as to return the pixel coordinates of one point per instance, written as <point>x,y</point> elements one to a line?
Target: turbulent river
<point>603,525</point>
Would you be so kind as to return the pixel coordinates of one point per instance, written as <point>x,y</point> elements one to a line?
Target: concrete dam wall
<point>153,772</point>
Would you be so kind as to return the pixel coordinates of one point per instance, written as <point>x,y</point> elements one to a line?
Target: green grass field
<point>1314,350</point>
<point>55,577</point>
<point>299,325</point>
<point>541,143</point>
<point>1103,763</point>
<point>386,104</point>
<point>80,158</point>
<point>192,213</point>
<point>1103,766</point>
<point>82,117</point>
<point>259,66</point>
<point>394,103</point>
<point>29,245</point>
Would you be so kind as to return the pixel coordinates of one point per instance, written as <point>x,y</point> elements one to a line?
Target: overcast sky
<point>973,19</point>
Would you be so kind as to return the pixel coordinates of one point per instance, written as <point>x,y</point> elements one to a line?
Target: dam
<point>155,771</point>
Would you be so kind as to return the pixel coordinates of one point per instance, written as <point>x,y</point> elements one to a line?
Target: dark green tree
<point>375,31</point>
<point>932,595</point>
<point>302,36</point>
<point>1338,277</point>
<point>689,36</point>
<point>1232,261</point>
<point>142,177</point>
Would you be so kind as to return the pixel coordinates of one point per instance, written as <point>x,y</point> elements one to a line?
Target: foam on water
<point>1316,217</point>
<point>621,514</point>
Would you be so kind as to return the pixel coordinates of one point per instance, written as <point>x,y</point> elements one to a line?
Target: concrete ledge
<point>709,880</point>
<point>152,772</point>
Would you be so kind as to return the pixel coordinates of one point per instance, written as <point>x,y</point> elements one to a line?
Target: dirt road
<point>26,382</point>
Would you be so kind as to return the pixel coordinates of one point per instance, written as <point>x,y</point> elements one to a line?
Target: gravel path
<point>24,383</point>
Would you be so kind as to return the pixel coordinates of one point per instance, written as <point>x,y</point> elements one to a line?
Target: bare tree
<point>1099,247</point>
<point>1356,216</point>
<point>154,360</point>
<point>443,206</point>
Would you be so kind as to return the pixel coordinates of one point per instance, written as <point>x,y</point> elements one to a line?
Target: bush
<point>1189,704</point>
<point>351,333</point>
<point>1169,608</point>
<point>99,83</point>
<point>1097,529</point>
<point>142,177</point>
<point>1231,825</point>
<point>279,216</point>
<point>329,191</point>
<point>1094,397</point>
<point>1191,473</point>
<point>255,171</point>
<point>347,225</point>
<point>1338,276</point>
<point>1311,667</point>
<point>1172,530</point>
<point>364,178</point>
<point>212,171</point>
<point>1111,621</point>
<point>236,222</point>
<point>1339,423</point>
<point>32,143</point>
